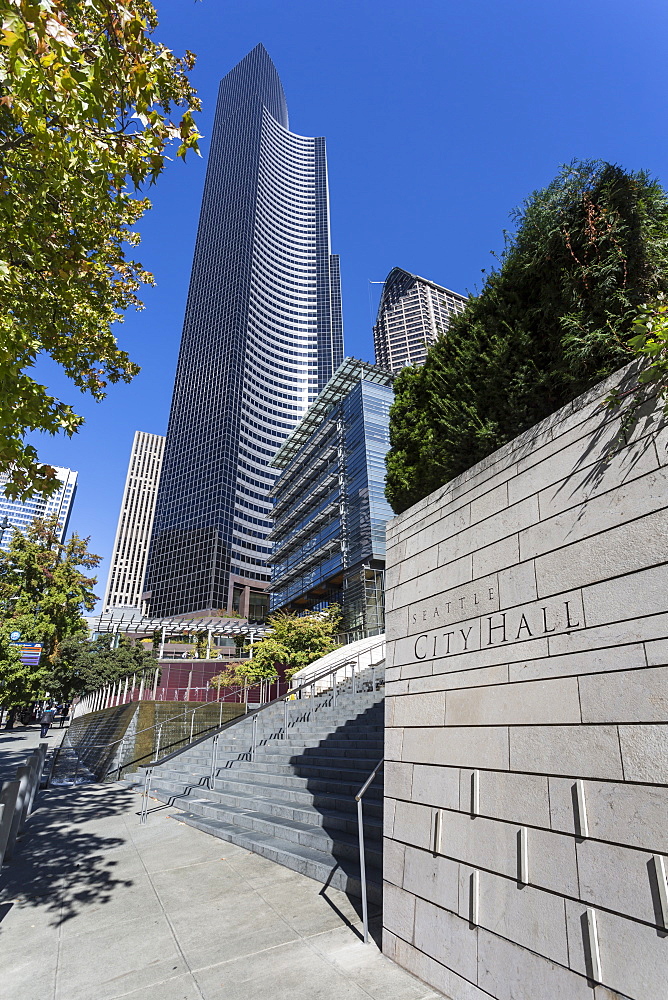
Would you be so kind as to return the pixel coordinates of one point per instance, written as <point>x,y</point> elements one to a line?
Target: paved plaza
<point>95,906</point>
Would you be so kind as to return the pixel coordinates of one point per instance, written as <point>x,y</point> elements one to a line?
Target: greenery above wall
<point>553,319</point>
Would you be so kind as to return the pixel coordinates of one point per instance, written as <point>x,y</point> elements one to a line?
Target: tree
<point>43,593</point>
<point>85,103</point>
<point>294,642</point>
<point>555,318</point>
<point>82,666</point>
<point>42,579</point>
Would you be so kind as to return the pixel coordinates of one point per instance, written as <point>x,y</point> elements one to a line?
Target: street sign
<point>30,653</point>
<point>14,636</point>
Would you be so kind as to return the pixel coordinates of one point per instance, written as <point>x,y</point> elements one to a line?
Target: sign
<point>30,653</point>
<point>14,636</point>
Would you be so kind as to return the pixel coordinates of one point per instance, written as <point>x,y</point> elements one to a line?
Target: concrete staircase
<point>293,800</point>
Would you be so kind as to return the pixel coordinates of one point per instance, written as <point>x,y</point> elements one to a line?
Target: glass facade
<point>412,313</point>
<point>22,513</point>
<point>262,335</point>
<point>330,509</point>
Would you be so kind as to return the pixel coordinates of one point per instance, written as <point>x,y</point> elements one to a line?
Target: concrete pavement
<point>97,907</point>
<point>18,743</point>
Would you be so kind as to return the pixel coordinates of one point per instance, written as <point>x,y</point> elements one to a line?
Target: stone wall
<point>527,696</point>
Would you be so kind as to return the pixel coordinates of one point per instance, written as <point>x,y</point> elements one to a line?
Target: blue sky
<point>440,117</point>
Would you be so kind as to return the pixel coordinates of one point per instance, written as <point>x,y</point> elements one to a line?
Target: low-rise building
<point>330,510</point>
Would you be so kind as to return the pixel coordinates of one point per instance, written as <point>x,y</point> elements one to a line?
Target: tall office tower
<point>411,314</point>
<point>125,583</point>
<point>262,335</point>
<point>20,514</point>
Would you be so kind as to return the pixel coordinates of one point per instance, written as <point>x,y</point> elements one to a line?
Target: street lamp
<point>3,527</point>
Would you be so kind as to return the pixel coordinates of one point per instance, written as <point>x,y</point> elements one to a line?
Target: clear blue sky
<point>440,117</point>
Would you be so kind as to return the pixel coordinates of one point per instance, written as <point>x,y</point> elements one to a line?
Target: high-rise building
<point>330,509</point>
<point>125,582</point>
<point>262,335</point>
<point>20,514</point>
<point>411,315</point>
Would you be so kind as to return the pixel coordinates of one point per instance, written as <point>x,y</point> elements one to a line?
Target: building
<point>411,314</point>
<point>262,335</point>
<point>19,514</point>
<point>125,583</point>
<point>330,509</point>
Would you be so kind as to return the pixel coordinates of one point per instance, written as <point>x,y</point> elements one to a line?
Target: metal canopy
<point>345,378</point>
<point>136,623</point>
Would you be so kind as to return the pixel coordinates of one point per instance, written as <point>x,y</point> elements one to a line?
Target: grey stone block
<point>657,652</point>
<point>505,552</point>
<point>583,751</point>
<point>393,861</point>
<point>489,503</point>
<point>517,584</point>
<point>413,824</point>
<point>448,606</point>
<point>429,971</point>
<point>447,938</point>
<point>398,780</point>
<point>420,709</point>
<point>509,972</point>
<point>588,661</point>
<point>552,862</point>
<point>481,746</point>
<point>632,630</point>
<point>527,916</point>
<point>625,696</point>
<point>634,958</point>
<point>516,798</point>
<point>629,891</point>
<point>436,786</point>
<point>632,596</point>
<point>627,548</point>
<point>432,877</point>
<point>393,743</point>
<point>463,678</point>
<point>532,703</point>
<point>645,752</point>
<point>625,503</point>
<point>389,806</point>
<point>398,911</point>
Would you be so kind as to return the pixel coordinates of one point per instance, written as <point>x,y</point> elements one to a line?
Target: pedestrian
<point>45,720</point>
<point>64,714</point>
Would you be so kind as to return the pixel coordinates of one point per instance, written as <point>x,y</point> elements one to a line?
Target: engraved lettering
<point>493,628</point>
<point>569,623</point>
<point>417,655</point>
<point>415,619</point>
<point>475,599</point>
<point>434,653</point>
<point>461,602</point>
<point>436,614</point>
<point>545,628</point>
<point>491,593</point>
<point>524,624</point>
<point>448,635</point>
<point>465,637</point>
<point>424,615</point>
<point>447,608</point>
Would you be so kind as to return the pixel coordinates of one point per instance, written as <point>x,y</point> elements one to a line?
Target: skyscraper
<point>135,520</point>
<point>262,335</point>
<point>411,314</point>
<point>22,513</point>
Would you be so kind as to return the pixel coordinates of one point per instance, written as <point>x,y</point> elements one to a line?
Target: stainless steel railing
<point>360,832</point>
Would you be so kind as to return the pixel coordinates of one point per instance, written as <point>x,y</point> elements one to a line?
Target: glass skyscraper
<point>21,513</point>
<point>262,335</point>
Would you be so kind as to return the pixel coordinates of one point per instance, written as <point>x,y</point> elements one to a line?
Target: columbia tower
<point>262,335</point>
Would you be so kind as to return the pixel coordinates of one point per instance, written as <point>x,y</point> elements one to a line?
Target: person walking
<point>45,720</point>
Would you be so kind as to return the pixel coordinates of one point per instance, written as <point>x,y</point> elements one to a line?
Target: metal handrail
<point>285,698</point>
<point>360,832</point>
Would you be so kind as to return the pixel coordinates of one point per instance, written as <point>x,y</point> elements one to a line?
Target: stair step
<point>322,867</point>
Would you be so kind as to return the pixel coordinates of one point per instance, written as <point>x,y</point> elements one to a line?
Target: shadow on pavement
<point>58,864</point>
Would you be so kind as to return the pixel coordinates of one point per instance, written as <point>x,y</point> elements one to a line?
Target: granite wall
<point>527,699</point>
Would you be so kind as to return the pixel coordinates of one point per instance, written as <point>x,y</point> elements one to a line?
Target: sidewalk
<point>95,906</point>
<point>18,743</point>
